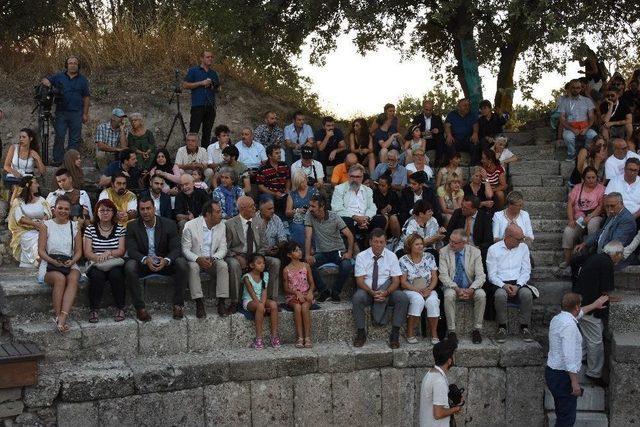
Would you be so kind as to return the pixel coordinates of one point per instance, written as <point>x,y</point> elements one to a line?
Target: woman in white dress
<point>60,248</point>
<point>28,211</point>
<point>23,159</point>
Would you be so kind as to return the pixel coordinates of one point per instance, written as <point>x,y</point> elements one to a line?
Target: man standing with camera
<point>203,82</point>
<point>72,106</point>
<point>435,409</point>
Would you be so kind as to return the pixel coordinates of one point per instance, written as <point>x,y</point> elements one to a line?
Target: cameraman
<point>72,108</point>
<point>434,392</point>
<point>203,82</point>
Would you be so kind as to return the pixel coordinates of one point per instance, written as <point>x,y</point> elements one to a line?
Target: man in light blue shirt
<point>296,135</point>
<point>397,172</point>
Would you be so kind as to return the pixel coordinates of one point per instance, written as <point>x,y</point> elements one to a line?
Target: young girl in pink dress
<point>299,286</point>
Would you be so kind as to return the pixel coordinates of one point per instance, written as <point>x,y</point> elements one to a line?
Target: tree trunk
<point>505,88</point>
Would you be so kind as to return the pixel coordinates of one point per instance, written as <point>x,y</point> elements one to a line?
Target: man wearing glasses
<point>616,119</point>
<point>628,185</point>
<point>353,201</point>
<point>509,271</point>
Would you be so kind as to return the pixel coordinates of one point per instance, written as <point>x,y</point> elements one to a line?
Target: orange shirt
<point>340,174</point>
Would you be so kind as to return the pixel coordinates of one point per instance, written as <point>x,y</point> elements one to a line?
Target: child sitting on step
<point>255,300</point>
<point>298,284</point>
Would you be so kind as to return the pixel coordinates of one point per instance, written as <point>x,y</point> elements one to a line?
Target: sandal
<point>258,344</point>
<point>120,316</point>
<point>275,342</point>
<point>93,316</point>
<point>307,342</point>
<point>300,342</point>
<point>64,327</point>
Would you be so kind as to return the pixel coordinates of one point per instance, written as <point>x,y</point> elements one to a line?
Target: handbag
<point>62,258</point>
<point>420,283</point>
<point>109,264</point>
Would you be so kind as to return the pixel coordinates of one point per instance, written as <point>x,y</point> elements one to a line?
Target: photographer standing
<point>72,107</point>
<point>203,82</point>
<point>434,392</point>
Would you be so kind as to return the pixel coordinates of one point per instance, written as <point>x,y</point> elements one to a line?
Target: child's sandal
<point>275,342</point>
<point>307,343</point>
<point>258,344</point>
<point>300,342</point>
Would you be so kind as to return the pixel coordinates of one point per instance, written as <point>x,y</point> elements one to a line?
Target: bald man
<point>341,172</point>
<point>244,239</point>
<point>189,201</point>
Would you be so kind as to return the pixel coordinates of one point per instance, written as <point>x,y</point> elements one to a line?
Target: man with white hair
<point>191,156</point>
<point>252,153</point>
<point>595,278</point>
<point>189,201</point>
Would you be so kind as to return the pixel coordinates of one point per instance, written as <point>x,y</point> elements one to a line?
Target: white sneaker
<point>412,340</point>
<point>435,341</point>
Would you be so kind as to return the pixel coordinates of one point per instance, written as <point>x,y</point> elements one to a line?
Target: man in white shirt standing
<point>565,356</point>
<point>434,391</point>
<point>377,274</point>
<point>509,270</point>
<point>204,246</point>
<point>628,185</point>
<point>614,166</point>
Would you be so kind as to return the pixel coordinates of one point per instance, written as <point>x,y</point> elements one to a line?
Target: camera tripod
<point>44,125</point>
<point>177,118</point>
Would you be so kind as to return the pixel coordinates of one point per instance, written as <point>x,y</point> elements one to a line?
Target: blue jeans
<point>345,267</point>
<point>559,384</point>
<point>570,140</point>
<point>66,121</point>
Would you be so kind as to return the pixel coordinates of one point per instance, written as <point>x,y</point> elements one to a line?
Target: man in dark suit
<point>153,246</point>
<point>161,200</point>
<point>476,224</point>
<point>417,189</point>
<point>432,130</point>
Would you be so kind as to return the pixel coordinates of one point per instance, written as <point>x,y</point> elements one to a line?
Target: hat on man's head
<point>118,112</point>
<point>306,152</point>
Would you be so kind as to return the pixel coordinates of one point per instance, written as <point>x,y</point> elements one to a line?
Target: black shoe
<point>335,299</point>
<point>200,310</point>
<point>394,340</point>
<point>360,339</point>
<point>476,338</point>
<point>452,336</point>
<point>324,296</point>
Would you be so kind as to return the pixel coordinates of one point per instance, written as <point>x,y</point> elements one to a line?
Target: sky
<point>350,85</point>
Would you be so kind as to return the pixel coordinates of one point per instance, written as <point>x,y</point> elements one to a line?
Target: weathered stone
<point>624,315</point>
<point>471,355</point>
<point>373,355</point>
<point>228,404</point>
<point>525,382</point>
<point>335,357</point>
<point>97,380</point>
<point>312,397</point>
<point>243,331</point>
<point>398,394</point>
<point>592,398</point>
<point>11,409</point>
<point>338,322</point>
<point>110,340</point>
<point>182,371</point>
<point>28,419</point>
<point>515,352</point>
<point>351,408</point>
<point>10,394</point>
<point>623,391</point>
<point>57,346</point>
<point>78,414</point>
<point>586,419</point>
<point>163,335</point>
<point>245,365</point>
<point>535,167</point>
<point>485,398</point>
<point>626,348</point>
<point>43,393</point>
<point>416,355</point>
<point>551,194</point>
<point>272,402</point>
<point>178,408</point>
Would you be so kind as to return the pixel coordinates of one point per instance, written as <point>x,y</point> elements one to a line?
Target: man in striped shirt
<point>274,179</point>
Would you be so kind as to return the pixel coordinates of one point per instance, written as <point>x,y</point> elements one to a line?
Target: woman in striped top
<point>495,176</point>
<point>104,248</point>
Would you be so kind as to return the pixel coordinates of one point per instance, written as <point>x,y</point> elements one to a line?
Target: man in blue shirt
<point>72,108</point>
<point>461,131</point>
<point>203,82</point>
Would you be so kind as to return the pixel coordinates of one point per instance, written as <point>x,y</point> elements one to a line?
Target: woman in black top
<point>387,203</point>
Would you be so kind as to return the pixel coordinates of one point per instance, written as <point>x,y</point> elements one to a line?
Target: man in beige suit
<point>204,245</point>
<point>243,240</point>
<point>462,276</point>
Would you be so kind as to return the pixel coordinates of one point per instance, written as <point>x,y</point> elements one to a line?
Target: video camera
<point>45,96</point>
<point>455,394</point>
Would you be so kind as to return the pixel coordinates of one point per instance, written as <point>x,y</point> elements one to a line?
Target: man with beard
<point>577,114</point>
<point>161,200</point>
<point>269,133</point>
<point>124,199</point>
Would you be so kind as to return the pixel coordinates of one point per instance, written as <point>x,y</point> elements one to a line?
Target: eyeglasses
<point>105,211</point>
<point>355,176</point>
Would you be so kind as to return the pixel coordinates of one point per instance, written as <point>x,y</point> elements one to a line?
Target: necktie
<point>374,276</point>
<point>250,240</point>
<point>460,278</point>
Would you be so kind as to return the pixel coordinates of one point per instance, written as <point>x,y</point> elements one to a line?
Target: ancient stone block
<point>228,404</point>
<point>623,388</point>
<point>272,402</point>
<point>373,355</point>
<point>110,340</point>
<point>211,333</point>
<point>97,380</point>
<point>10,394</point>
<point>77,414</point>
<point>398,395</point>
<point>515,352</point>
<point>471,355</point>
<point>163,335</point>
<point>11,409</point>
<point>351,407</point>
<point>335,357</point>
<point>417,355</point>
<point>485,398</point>
<point>525,395</point>
<point>43,393</point>
<point>312,397</point>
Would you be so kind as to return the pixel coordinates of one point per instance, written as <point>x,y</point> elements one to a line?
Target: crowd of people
<point>268,213</point>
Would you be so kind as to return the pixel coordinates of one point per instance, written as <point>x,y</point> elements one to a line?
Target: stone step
<point>545,272</point>
<point>518,139</point>
<point>551,292</point>
<point>545,210</point>
<point>537,181</point>
<point>548,226</point>
<point>624,315</point>
<point>584,419</point>
<point>535,167</point>
<point>544,240</point>
<point>626,347</point>
<point>543,194</point>
<point>628,278</point>
<point>546,257</point>
<point>534,152</point>
<point>623,382</point>
<point>591,400</point>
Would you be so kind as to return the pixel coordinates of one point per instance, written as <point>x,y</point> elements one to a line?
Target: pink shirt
<point>587,201</point>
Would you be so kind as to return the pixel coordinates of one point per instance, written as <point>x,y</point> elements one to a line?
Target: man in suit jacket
<point>462,276</point>
<point>353,201</point>
<point>432,129</point>
<point>475,223</point>
<point>204,245</point>
<point>417,188</point>
<point>239,231</point>
<point>161,200</point>
<point>153,247</point>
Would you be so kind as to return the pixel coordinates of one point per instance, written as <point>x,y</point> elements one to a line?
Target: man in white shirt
<point>214,151</point>
<point>193,156</point>
<point>628,185</point>
<point>252,153</point>
<point>509,270</point>
<point>297,135</point>
<point>565,356</point>
<point>434,391</point>
<point>577,114</point>
<point>377,274</point>
<point>614,166</point>
<point>312,168</point>
<point>204,246</point>
<point>65,186</point>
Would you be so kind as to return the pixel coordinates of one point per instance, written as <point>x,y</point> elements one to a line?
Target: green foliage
<point>443,102</point>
